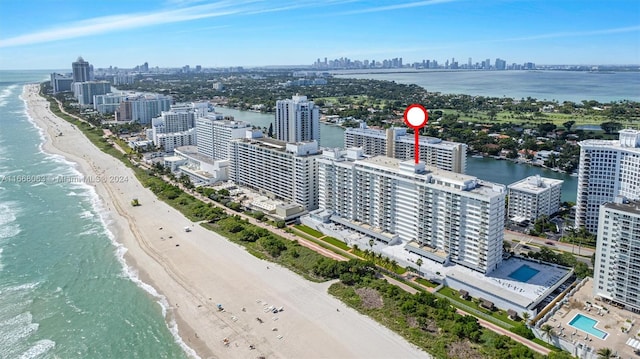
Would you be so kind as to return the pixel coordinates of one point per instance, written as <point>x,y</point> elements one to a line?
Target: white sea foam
<point>84,190</point>
<point>86,214</point>
<point>8,225</point>
<point>16,321</point>
<point>5,93</point>
<point>16,329</point>
<point>38,349</point>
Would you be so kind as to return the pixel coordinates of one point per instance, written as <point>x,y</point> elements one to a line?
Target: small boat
<point>477,156</point>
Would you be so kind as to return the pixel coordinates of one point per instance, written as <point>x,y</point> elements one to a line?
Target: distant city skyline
<point>174,33</point>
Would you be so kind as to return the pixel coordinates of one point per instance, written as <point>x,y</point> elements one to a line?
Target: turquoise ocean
<point>65,290</point>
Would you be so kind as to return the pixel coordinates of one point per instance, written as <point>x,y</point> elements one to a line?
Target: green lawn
<point>532,118</point>
<point>336,242</point>
<point>426,283</point>
<point>500,316</point>
<point>308,230</point>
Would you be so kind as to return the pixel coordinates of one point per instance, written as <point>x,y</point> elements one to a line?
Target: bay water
<point>574,86</point>
<point>65,290</point>
<point>488,169</point>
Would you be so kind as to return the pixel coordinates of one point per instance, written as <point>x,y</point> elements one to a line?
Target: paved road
<point>566,247</point>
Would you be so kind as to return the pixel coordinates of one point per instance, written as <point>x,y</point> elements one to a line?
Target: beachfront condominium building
<point>175,120</point>
<point>215,136</point>
<point>85,91</point>
<point>170,141</point>
<point>616,272</point>
<point>297,119</point>
<point>283,171</point>
<point>81,70</point>
<point>395,142</point>
<point>60,83</point>
<point>533,197</point>
<point>110,102</point>
<point>607,169</point>
<point>176,127</point>
<point>141,108</point>
<point>442,215</point>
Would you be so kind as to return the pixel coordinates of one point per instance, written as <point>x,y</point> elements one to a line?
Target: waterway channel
<point>488,169</point>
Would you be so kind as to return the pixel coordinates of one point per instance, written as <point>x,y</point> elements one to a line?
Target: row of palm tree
<point>379,259</point>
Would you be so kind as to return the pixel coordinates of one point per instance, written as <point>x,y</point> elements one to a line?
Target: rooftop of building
<point>632,207</point>
<point>229,123</point>
<point>192,152</point>
<point>535,184</point>
<point>401,135</point>
<point>502,282</point>
<point>472,183</point>
<point>629,140</point>
<point>277,145</point>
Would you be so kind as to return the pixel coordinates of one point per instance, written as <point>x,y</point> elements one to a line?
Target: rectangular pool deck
<point>583,309</point>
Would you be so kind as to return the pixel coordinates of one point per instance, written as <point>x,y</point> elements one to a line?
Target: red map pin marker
<point>416,117</point>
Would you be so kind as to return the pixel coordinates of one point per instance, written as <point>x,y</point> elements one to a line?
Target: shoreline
<point>197,270</point>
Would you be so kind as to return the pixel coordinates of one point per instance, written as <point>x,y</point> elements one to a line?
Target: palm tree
<point>525,317</point>
<point>394,264</point>
<point>605,353</point>
<point>547,330</point>
<point>419,264</point>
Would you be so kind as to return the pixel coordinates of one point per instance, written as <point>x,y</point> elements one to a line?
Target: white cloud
<point>574,34</point>
<point>106,24</point>
<point>398,6</point>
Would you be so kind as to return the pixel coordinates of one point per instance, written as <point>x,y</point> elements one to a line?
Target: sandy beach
<point>195,271</point>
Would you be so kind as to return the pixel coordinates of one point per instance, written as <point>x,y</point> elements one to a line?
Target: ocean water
<point>65,290</point>
<point>543,85</point>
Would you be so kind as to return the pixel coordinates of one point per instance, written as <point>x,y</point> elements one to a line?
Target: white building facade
<point>616,271</point>
<point>395,142</point>
<point>284,171</point>
<point>169,141</point>
<point>215,136</point>
<point>452,216</point>
<point>85,91</point>
<point>297,120</point>
<point>533,197</point>
<point>607,169</point>
<point>141,108</point>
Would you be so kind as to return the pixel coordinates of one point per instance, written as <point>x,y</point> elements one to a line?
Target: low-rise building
<point>533,197</point>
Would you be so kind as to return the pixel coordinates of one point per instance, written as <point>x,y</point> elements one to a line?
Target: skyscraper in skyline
<point>297,119</point>
<point>81,70</point>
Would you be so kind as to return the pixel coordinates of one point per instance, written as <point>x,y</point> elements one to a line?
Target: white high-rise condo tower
<point>616,273</point>
<point>607,169</point>
<point>297,120</point>
<point>444,216</point>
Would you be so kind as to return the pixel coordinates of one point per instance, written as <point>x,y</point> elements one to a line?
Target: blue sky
<point>50,34</point>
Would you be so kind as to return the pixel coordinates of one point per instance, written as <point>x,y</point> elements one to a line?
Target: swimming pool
<point>587,325</point>
<point>523,273</point>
